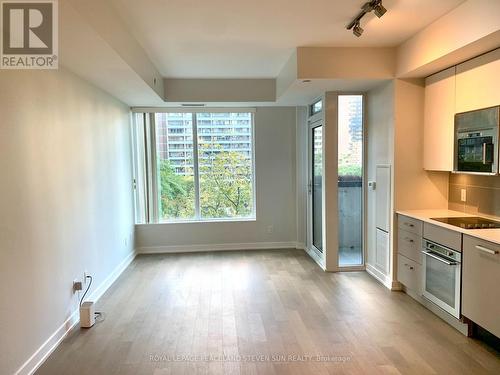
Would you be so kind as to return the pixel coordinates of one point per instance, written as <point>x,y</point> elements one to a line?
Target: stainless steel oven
<point>476,141</point>
<point>442,270</point>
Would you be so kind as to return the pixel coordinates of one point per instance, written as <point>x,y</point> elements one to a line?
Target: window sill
<point>204,221</point>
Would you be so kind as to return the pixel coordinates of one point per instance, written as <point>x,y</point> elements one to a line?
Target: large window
<point>202,166</point>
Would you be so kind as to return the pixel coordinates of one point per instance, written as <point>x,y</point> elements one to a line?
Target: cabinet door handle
<point>409,225</point>
<point>407,265</point>
<point>486,250</point>
<point>408,239</point>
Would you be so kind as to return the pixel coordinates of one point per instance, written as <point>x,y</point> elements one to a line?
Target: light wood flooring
<point>269,312</point>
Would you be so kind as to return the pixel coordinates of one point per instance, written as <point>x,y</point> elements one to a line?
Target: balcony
<point>350,198</point>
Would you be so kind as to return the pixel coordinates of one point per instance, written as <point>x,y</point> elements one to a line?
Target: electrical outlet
<point>463,195</point>
<point>270,229</point>
<point>86,274</point>
<point>77,285</point>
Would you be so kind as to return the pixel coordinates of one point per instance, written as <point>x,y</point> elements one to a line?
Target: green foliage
<point>176,193</point>
<point>225,184</point>
<point>350,170</point>
<point>225,187</point>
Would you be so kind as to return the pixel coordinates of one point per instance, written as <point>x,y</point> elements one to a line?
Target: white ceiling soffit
<point>303,93</point>
<point>84,51</point>
<point>469,30</point>
<point>219,90</point>
<point>333,69</point>
<point>254,39</point>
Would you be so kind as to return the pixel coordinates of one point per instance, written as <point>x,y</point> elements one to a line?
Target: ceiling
<point>254,39</point>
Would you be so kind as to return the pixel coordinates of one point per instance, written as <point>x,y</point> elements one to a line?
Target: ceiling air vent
<point>193,105</point>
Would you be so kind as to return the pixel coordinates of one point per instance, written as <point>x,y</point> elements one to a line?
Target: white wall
<point>275,192</point>
<point>65,198</point>
<point>301,175</point>
<point>415,188</point>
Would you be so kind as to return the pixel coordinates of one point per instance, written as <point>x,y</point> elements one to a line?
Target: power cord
<point>86,290</point>
<point>97,313</point>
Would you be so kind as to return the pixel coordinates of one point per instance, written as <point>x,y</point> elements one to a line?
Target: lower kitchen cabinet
<point>410,253</point>
<point>481,283</point>
<point>410,274</point>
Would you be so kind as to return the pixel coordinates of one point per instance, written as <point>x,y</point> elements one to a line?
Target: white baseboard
<point>380,276</point>
<point>217,247</point>
<point>300,245</point>
<point>46,349</point>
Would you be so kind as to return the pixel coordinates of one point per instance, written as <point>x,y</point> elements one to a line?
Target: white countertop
<point>492,235</point>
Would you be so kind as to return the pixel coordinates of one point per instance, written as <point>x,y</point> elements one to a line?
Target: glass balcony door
<point>315,187</point>
<point>350,180</point>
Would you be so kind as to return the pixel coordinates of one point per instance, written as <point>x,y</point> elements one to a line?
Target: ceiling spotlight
<point>373,5</point>
<point>357,29</point>
<point>379,9</point>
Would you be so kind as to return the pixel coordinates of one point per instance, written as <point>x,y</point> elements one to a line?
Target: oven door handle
<point>439,258</point>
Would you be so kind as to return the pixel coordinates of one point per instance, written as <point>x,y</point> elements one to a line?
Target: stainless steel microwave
<point>476,141</point>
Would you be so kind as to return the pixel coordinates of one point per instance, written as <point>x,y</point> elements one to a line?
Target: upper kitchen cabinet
<point>478,81</point>
<point>439,115</point>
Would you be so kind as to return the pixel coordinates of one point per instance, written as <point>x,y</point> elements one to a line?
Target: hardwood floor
<point>276,310</point>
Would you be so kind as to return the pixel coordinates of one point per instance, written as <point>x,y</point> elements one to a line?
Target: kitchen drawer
<point>443,236</point>
<point>481,283</point>
<point>410,274</point>
<point>409,224</point>
<point>410,245</point>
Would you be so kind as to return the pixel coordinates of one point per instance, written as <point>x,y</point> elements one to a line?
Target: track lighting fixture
<point>379,9</point>
<point>373,5</point>
<point>357,29</point>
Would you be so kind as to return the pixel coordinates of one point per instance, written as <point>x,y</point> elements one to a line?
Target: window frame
<point>152,214</point>
<point>312,110</point>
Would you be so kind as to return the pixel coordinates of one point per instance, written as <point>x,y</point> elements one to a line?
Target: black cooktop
<point>472,222</point>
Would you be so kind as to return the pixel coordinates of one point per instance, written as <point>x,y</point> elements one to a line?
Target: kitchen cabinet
<point>409,253</point>
<point>439,113</point>
<point>410,224</point>
<point>477,82</point>
<point>410,274</point>
<point>410,245</point>
<point>468,86</point>
<point>480,283</point>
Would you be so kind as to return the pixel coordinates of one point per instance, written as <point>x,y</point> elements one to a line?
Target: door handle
<point>309,187</point>
<point>486,250</point>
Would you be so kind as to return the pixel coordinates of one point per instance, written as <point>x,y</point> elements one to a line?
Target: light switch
<point>463,195</point>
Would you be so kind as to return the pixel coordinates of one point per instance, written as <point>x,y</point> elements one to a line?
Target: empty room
<point>249,187</point>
